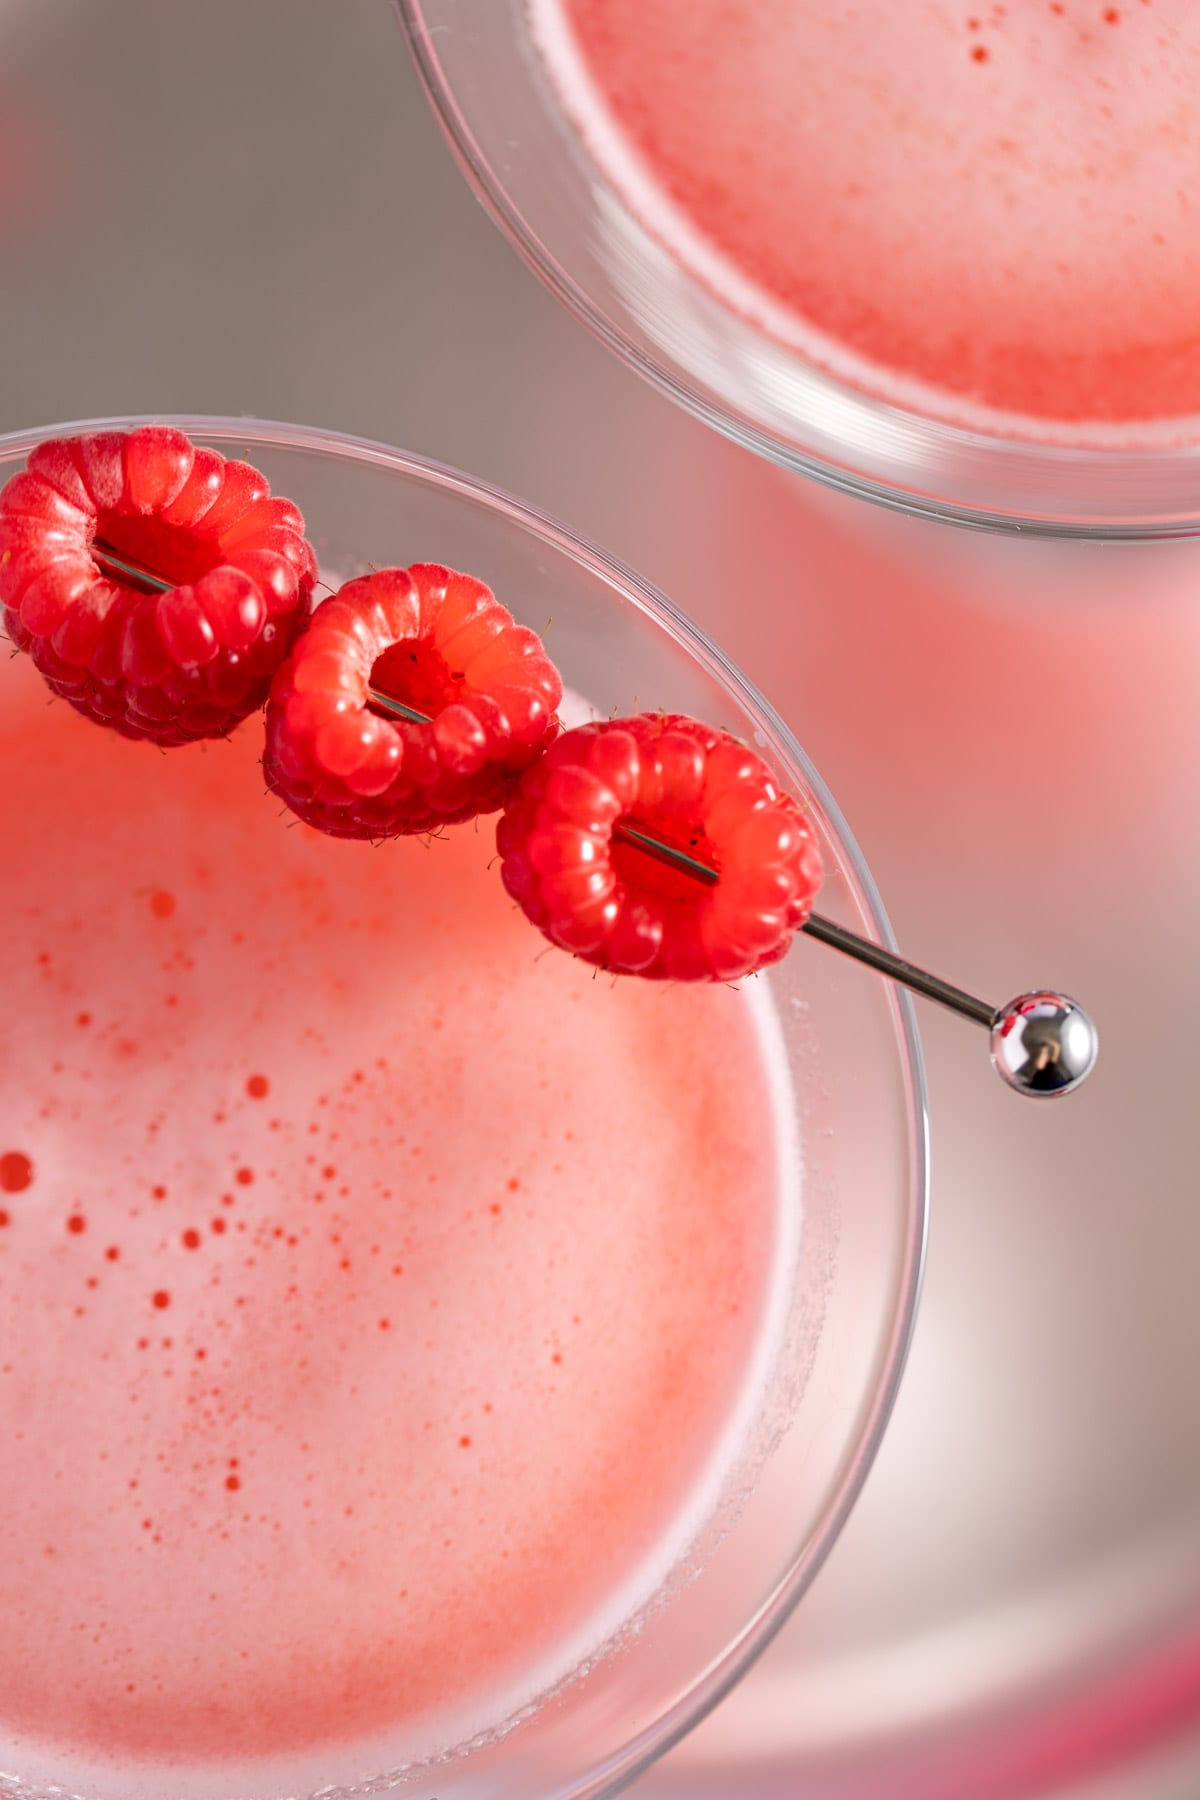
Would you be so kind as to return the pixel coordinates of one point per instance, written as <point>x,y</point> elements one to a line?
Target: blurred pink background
<point>242,207</point>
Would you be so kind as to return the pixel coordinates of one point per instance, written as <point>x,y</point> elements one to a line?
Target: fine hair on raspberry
<point>173,666</point>
<point>482,689</point>
<point>572,859</point>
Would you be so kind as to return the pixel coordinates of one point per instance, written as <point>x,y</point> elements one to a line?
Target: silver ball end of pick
<point>1043,1045</point>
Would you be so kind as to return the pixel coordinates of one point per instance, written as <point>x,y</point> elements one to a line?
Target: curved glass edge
<point>1149,1700</point>
<point>758,1632</point>
<point>1085,511</point>
<point>638,1758</point>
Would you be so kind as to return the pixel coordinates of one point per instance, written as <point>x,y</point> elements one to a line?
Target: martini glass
<point>849,1094</point>
<point>566,207</point>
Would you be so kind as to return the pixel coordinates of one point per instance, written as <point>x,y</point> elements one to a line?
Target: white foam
<point>972,233</point>
<point>28,1770</point>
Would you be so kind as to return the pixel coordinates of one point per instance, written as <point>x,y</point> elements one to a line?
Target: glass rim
<point>757,1631</point>
<point>1025,486</point>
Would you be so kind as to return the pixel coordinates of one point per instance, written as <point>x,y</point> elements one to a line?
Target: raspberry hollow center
<point>415,672</point>
<point>174,553</point>
<point>652,874</point>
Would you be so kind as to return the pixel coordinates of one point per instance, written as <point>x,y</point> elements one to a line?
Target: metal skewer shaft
<point>1042,1043</point>
<point>932,987</point>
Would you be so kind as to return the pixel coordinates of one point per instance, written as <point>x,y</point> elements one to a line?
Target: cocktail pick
<point>1042,1043</point>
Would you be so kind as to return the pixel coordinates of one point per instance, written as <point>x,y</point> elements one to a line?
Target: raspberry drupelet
<point>569,840</point>
<point>168,667</point>
<point>441,644</point>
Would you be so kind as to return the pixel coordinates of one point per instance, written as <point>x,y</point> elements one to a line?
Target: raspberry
<point>571,865</point>
<point>169,667</point>
<point>440,643</point>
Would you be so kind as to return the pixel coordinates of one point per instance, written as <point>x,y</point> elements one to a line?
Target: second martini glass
<point>562,188</point>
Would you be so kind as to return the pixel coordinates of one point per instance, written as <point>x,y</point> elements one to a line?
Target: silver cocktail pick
<point>1042,1043</point>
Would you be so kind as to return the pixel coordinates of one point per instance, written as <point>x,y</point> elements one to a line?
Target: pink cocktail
<point>361,1253</point>
<point>941,256</point>
<point>414,1351</point>
<point>988,213</point>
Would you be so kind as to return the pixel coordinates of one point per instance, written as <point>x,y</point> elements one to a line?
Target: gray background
<point>240,206</point>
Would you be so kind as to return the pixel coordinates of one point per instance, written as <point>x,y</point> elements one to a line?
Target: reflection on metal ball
<point>1043,1044</point>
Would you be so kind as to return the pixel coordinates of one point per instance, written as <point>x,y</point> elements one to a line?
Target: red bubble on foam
<point>258,1087</point>
<point>161,1298</point>
<point>77,1223</point>
<point>244,1177</point>
<point>191,1240</point>
<point>16,1171</point>
<point>162,904</point>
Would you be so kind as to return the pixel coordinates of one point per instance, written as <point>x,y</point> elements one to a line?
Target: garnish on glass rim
<point>1042,1043</point>
<point>654,845</point>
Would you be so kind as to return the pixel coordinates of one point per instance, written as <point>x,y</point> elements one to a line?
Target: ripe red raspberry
<point>443,645</point>
<point>170,667</point>
<point>572,868</point>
